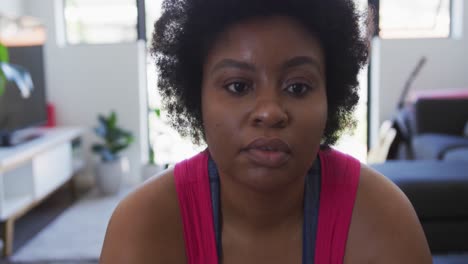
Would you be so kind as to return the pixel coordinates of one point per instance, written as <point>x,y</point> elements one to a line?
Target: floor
<point>29,225</point>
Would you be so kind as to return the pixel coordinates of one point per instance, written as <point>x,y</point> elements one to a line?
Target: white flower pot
<point>109,175</point>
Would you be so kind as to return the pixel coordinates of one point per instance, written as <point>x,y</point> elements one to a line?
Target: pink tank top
<point>339,183</point>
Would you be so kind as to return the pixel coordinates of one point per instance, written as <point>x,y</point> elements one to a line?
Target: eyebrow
<point>230,63</point>
<point>301,60</point>
<point>291,63</point>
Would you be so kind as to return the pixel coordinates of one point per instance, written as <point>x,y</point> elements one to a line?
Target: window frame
<point>140,28</point>
<point>376,5</point>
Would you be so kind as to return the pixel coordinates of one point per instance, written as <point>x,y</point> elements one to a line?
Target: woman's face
<point>264,102</point>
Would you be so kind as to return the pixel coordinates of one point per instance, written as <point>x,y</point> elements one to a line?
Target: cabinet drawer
<point>51,169</point>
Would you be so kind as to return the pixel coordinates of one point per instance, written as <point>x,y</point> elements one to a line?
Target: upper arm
<point>145,227</point>
<point>385,227</point>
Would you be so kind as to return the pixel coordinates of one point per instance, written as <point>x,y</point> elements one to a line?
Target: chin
<point>265,179</point>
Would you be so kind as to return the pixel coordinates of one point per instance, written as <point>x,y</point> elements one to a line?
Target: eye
<point>298,89</point>
<point>238,88</point>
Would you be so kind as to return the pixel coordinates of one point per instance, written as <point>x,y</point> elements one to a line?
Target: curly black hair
<point>187,29</point>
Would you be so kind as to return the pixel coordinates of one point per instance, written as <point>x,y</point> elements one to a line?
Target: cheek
<point>314,115</point>
<point>310,124</point>
<point>218,121</point>
<point>322,115</point>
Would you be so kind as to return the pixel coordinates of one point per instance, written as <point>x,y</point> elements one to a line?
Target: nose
<point>269,113</point>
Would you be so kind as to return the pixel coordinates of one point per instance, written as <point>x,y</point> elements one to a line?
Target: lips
<point>266,152</point>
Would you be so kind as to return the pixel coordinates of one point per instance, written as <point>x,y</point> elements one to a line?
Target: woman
<point>268,85</point>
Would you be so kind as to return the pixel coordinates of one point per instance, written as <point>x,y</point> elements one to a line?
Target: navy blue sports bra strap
<point>311,209</point>
<point>215,201</point>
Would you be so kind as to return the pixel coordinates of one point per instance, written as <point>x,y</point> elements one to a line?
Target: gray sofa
<point>434,128</point>
<point>438,191</point>
<point>430,165</point>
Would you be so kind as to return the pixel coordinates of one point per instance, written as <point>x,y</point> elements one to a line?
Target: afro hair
<point>187,29</point>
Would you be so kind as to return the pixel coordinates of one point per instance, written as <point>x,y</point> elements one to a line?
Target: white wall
<point>84,80</point>
<point>392,61</point>
<point>11,7</point>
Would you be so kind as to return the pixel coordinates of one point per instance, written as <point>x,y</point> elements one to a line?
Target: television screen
<point>17,112</point>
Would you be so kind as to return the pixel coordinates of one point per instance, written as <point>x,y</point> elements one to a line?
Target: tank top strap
<point>193,192</point>
<point>340,180</point>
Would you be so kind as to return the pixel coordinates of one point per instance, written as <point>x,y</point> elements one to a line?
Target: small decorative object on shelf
<point>113,166</point>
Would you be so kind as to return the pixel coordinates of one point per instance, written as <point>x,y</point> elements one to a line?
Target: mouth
<point>272,153</point>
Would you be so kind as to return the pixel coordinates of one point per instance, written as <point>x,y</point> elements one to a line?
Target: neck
<point>254,211</point>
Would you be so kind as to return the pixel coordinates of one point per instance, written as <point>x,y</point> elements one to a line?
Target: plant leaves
<point>152,157</point>
<point>100,131</point>
<point>2,84</point>
<point>97,148</point>
<point>20,76</point>
<point>116,149</point>
<point>115,138</point>
<point>4,56</point>
<point>113,120</point>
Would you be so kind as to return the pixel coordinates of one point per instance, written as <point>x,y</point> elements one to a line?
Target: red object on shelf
<point>50,115</point>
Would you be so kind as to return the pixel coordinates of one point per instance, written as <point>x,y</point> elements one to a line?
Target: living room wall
<point>11,7</point>
<point>393,60</point>
<point>84,80</point>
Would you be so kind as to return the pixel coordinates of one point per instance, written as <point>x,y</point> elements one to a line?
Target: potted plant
<point>14,73</point>
<point>113,166</point>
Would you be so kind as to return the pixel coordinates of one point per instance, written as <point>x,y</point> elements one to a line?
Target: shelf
<point>12,205</point>
<point>14,156</point>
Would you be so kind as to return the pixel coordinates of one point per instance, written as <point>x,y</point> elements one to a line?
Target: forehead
<point>265,40</point>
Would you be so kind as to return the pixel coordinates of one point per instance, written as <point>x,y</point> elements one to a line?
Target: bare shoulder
<point>146,226</point>
<point>384,226</point>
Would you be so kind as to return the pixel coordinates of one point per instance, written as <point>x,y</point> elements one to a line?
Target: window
<point>414,19</point>
<point>100,21</point>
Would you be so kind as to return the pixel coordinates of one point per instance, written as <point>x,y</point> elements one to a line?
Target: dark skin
<point>264,78</point>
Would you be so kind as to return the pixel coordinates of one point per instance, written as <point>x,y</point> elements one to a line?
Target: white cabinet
<point>33,170</point>
<point>52,168</point>
<point>17,190</point>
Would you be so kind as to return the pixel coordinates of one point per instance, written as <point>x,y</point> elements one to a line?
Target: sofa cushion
<point>441,115</point>
<point>457,154</point>
<point>438,190</point>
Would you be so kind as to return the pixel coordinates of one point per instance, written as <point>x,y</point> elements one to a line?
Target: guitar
<point>395,133</point>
